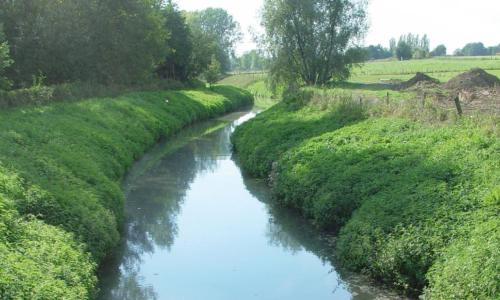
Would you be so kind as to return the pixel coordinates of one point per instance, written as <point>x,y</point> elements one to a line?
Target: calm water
<point>199,229</point>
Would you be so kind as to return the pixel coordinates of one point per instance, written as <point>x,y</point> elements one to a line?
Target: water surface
<point>198,229</point>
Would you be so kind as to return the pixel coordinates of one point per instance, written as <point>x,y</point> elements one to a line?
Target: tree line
<point>110,41</point>
<point>412,46</point>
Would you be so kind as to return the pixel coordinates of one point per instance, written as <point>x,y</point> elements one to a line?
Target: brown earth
<point>475,78</point>
<point>419,79</point>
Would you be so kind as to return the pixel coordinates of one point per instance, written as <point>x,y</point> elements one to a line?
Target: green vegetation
<point>311,42</point>
<point>257,84</point>
<point>415,203</point>
<point>62,165</point>
<point>251,61</point>
<point>213,72</point>
<point>442,68</point>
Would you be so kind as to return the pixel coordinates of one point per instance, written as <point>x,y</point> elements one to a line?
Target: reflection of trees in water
<point>292,232</point>
<point>129,288</point>
<point>154,201</point>
<point>288,229</point>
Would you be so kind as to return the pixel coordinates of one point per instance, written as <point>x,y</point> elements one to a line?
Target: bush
<point>38,261</point>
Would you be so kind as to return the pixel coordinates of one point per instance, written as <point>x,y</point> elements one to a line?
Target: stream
<point>198,228</point>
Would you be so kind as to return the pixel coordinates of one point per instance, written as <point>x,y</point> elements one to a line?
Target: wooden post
<point>360,100</point>
<point>424,96</point>
<point>459,107</point>
<point>387,99</point>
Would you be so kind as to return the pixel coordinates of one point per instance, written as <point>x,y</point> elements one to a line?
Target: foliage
<point>251,61</point>
<point>83,40</point>
<point>439,51</point>
<point>472,261</point>
<point>377,52</point>
<point>213,71</point>
<point>70,159</point>
<point>312,54</point>
<point>404,51</point>
<point>5,60</point>
<point>474,49</point>
<point>220,29</point>
<point>406,197</point>
<point>410,46</point>
<point>38,261</point>
<point>176,65</point>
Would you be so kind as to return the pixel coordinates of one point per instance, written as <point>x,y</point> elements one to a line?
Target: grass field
<point>255,83</point>
<point>439,68</point>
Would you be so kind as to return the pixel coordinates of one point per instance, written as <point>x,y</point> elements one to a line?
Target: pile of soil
<point>475,78</point>
<point>419,79</point>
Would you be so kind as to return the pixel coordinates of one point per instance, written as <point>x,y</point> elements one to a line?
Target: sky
<point>450,22</point>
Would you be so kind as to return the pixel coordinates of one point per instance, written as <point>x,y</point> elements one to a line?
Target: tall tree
<point>180,45</point>
<point>213,72</point>
<point>439,51</point>
<point>475,49</point>
<point>313,40</point>
<point>220,26</point>
<point>91,40</point>
<point>5,60</point>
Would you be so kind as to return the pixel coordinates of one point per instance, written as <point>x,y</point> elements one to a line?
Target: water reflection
<point>195,230</point>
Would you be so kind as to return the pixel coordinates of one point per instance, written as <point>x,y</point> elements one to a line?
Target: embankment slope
<point>415,205</point>
<point>61,167</point>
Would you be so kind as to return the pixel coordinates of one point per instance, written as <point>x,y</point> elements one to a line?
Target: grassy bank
<point>415,204</point>
<point>61,166</point>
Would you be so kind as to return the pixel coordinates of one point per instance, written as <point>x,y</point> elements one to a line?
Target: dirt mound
<point>475,78</point>
<point>419,79</point>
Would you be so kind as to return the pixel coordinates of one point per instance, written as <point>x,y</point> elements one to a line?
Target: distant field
<point>255,83</point>
<point>439,68</point>
<point>243,80</point>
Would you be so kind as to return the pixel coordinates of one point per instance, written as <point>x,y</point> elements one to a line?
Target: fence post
<point>424,96</point>
<point>387,99</point>
<point>458,105</point>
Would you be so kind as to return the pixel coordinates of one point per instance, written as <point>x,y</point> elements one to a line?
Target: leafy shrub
<point>38,261</point>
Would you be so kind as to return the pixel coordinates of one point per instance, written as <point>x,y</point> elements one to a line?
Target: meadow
<point>411,191</point>
<point>441,68</point>
<point>61,203</point>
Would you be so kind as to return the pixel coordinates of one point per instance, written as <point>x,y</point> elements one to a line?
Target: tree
<point>313,41</point>
<point>114,41</point>
<point>494,50</point>
<point>213,71</point>
<point>179,43</point>
<point>218,25</point>
<point>411,46</point>
<point>404,50</point>
<point>475,49</point>
<point>439,51</point>
<point>5,60</point>
<point>378,52</point>
<point>253,60</point>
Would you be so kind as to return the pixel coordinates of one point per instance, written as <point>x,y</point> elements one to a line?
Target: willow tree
<point>313,41</point>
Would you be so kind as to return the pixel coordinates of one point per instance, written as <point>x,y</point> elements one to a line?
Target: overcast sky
<point>450,22</point>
